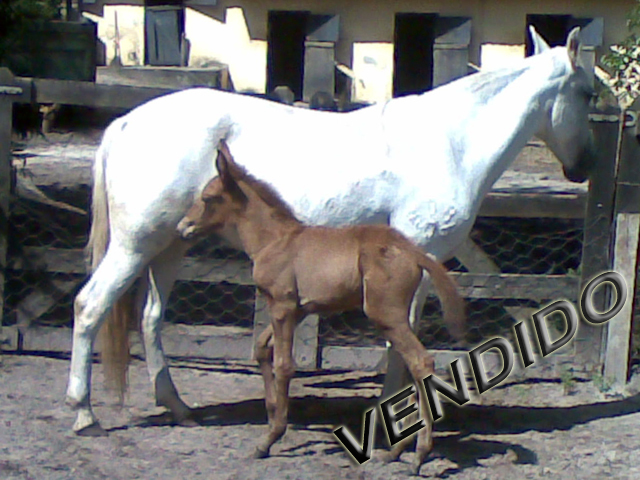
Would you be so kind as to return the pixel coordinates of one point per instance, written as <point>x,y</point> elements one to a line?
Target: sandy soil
<point>520,431</point>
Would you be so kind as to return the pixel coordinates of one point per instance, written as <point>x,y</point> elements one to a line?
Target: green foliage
<point>17,15</point>
<point>623,62</point>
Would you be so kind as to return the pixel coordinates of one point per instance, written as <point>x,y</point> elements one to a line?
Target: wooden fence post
<point>627,208</point>
<point>7,91</point>
<point>596,249</point>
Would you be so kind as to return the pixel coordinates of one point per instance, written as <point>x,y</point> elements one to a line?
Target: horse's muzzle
<point>576,175</point>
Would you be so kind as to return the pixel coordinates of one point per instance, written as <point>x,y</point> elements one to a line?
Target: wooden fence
<point>609,210</point>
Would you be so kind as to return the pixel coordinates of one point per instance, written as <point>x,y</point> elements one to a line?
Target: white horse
<point>423,163</point>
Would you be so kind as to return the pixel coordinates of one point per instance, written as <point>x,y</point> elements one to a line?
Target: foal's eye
<point>212,199</point>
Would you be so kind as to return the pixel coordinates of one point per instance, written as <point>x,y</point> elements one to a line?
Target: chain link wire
<point>37,296</point>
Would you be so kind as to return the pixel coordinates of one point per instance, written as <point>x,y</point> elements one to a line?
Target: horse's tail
<point>453,305</point>
<point>114,335</point>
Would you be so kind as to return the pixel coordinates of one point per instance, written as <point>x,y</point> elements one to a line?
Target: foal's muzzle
<point>186,229</point>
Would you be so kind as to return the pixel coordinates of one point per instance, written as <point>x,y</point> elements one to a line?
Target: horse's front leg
<point>113,277</point>
<point>159,282</point>
<point>284,319</point>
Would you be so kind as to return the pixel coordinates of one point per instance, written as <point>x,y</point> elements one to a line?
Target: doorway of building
<point>285,50</point>
<point>414,36</point>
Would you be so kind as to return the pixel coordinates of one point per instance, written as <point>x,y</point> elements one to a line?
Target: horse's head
<point>565,128</point>
<point>219,205</point>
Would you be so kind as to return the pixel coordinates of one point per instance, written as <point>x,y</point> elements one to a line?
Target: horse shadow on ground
<point>320,414</point>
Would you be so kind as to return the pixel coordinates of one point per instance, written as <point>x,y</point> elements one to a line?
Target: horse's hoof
<point>259,453</point>
<point>188,422</point>
<point>93,430</point>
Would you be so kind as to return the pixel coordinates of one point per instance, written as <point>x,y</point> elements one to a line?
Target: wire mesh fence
<point>516,246</point>
<point>37,295</point>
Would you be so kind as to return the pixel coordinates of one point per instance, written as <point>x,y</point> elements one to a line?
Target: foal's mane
<point>265,191</point>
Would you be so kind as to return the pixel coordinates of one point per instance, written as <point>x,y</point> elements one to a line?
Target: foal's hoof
<point>390,457</point>
<point>415,468</point>
<point>93,430</point>
<point>259,453</point>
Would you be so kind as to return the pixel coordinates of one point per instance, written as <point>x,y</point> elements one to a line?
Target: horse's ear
<point>573,47</point>
<point>539,43</point>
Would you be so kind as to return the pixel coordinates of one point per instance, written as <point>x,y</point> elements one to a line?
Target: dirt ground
<point>520,431</point>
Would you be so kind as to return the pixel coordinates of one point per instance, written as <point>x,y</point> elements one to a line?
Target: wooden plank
<point>515,286</point>
<point>374,359</point>
<point>163,77</point>
<point>261,319</point>
<point>597,238</point>
<point>534,205</point>
<point>8,338</point>
<point>63,260</point>
<point>222,343</point>
<point>477,261</point>
<point>305,343</point>
<point>68,165</point>
<point>6,113</point>
<point>472,285</point>
<point>616,362</point>
<point>43,298</point>
<point>230,343</point>
<point>90,94</point>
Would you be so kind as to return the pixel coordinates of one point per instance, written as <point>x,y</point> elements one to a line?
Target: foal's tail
<point>114,336</point>
<point>453,305</point>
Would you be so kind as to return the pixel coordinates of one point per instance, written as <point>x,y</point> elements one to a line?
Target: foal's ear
<point>225,166</point>
<point>573,47</point>
<point>539,43</point>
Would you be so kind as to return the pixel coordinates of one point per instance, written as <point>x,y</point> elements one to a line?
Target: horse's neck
<point>260,226</point>
<point>501,128</point>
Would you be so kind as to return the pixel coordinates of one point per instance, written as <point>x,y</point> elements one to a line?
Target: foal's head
<point>220,203</point>
<point>234,195</point>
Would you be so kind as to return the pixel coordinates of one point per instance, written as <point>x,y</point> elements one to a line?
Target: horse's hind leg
<point>112,278</point>
<point>159,281</point>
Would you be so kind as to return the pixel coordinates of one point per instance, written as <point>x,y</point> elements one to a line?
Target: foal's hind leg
<point>384,304</point>
<point>397,377</point>
<point>112,278</point>
<point>159,282</point>
<point>420,365</point>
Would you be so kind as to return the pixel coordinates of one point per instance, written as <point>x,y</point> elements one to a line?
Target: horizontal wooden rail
<point>89,94</point>
<point>235,344</point>
<point>472,285</point>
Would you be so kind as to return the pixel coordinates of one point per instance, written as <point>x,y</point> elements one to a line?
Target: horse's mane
<point>265,191</point>
<point>491,83</point>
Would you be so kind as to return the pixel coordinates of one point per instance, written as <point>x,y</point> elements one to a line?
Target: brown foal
<point>303,270</point>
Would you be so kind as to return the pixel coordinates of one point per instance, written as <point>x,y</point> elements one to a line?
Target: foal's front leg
<point>264,356</point>
<point>283,321</point>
